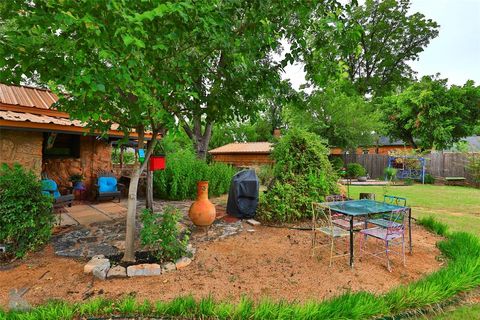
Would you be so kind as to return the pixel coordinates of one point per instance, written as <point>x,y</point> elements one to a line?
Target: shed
<point>243,154</point>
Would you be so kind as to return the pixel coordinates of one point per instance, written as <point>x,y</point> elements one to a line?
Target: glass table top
<point>362,207</point>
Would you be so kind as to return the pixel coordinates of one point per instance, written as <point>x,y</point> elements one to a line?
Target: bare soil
<point>269,262</point>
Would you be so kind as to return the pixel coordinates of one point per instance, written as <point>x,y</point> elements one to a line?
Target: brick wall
<point>95,155</point>
<point>23,147</point>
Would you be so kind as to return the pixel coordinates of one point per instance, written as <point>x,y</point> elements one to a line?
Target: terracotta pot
<point>202,211</point>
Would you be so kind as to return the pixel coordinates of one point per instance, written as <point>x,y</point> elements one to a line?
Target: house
<point>383,146</point>
<point>243,154</point>
<point>39,137</point>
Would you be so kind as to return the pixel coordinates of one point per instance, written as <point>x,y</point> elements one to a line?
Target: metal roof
<point>244,147</point>
<point>27,96</point>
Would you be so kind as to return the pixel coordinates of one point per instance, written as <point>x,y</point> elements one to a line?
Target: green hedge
<point>26,217</point>
<point>462,273</point>
<point>183,170</point>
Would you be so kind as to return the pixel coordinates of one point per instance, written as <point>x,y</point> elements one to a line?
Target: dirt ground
<point>269,262</point>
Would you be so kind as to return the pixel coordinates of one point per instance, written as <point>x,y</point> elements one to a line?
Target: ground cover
<point>458,207</point>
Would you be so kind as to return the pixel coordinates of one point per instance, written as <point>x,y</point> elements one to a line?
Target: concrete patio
<point>85,213</point>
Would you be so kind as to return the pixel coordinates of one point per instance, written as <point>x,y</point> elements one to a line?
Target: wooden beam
<point>33,110</point>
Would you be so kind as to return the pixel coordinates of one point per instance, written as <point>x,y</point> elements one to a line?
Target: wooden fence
<point>439,164</point>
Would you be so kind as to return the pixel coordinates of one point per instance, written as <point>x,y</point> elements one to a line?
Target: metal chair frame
<point>322,222</point>
<point>392,234</point>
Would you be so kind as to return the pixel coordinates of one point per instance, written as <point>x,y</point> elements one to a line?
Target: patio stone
<point>100,271</point>
<point>183,262</point>
<point>98,260</point>
<point>117,272</point>
<point>146,269</point>
<point>169,266</point>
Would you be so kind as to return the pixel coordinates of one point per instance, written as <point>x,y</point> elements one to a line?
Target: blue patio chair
<point>393,233</point>
<point>383,219</point>
<point>50,188</point>
<point>107,187</point>
<point>322,223</point>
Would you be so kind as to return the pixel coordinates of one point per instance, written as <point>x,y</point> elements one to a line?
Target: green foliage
<point>430,223</point>
<point>338,114</point>
<point>355,170</point>
<point>265,174</point>
<point>128,156</point>
<point>337,163</point>
<point>183,170</point>
<point>429,179</point>
<point>428,114</point>
<point>408,181</point>
<point>302,174</point>
<point>370,47</point>
<point>473,167</point>
<point>26,217</point>
<point>390,173</point>
<point>162,234</point>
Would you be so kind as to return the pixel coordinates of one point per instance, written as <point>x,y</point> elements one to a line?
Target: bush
<point>183,170</point>
<point>26,218</point>
<point>128,156</point>
<point>161,233</point>
<point>408,181</point>
<point>265,174</point>
<point>355,170</point>
<point>302,174</point>
<point>390,173</point>
<point>429,179</point>
<point>337,163</point>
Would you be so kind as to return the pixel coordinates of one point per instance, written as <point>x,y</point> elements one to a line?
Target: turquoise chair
<point>50,188</point>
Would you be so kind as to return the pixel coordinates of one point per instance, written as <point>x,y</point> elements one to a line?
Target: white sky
<point>454,53</point>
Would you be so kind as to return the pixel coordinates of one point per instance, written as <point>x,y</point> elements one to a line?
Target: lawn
<point>459,207</point>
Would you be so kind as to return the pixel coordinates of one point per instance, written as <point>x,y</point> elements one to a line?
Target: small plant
<point>74,178</point>
<point>429,179</point>
<point>390,174</point>
<point>355,170</point>
<point>337,163</point>
<point>162,234</point>
<point>26,217</point>
<point>408,181</point>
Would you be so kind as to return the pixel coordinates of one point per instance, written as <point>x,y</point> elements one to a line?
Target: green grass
<point>466,312</point>
<point>458,207</point>
<point>462,273</point>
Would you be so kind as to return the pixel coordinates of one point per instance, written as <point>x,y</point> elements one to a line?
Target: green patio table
<point>365,208</point>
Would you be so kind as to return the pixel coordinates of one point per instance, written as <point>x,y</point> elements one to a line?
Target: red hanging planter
<point>157,163</point>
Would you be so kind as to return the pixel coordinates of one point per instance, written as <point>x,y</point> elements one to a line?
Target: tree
<point>338,114</point>
<point>370,46</point>
<point>429,115</point>
<point>118,63</point>
<point>130,63</point>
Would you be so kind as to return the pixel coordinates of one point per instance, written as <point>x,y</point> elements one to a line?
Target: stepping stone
<point>100,271</point>
<point>169,266</point>
<point>253,222</point>
<point>182,262</point>
<point>117,272</point>
<point>98,260</point>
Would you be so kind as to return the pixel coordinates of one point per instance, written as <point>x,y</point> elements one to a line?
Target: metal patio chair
<point>393,233</point>
<point>322,223</point>
<point>382,220</point>
<point>339,219</point>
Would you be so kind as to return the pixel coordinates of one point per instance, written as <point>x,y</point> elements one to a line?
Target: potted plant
<point>356,171</point>
<point>77,181</point>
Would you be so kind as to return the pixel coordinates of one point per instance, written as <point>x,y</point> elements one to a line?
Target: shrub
<point>355,170</point>
<point>161,233</point>
<point>183,170</point>
<point>302,174</point>
<point>390,173</point>
<point>337,163</point>
<point>26,218</point>
<point>408,181</point>
<point>265,174</point>
<point>429,179</point>
<point>128,156</point>
<point>473,167</point>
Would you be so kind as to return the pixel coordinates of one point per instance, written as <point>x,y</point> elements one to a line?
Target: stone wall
<point>23,147</point>
<point>95,155</point>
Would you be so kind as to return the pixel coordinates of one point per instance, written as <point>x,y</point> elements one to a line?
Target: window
<point>60,145</point>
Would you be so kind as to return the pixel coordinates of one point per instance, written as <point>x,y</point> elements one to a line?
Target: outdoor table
<point>365,208</point>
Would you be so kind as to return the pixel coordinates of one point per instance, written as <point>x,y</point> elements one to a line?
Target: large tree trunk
<point>149,197</point>
<point>200,139</point>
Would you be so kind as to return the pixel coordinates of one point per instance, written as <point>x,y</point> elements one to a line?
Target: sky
<point>454,53</point>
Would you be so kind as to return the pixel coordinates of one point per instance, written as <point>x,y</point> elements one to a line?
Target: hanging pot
<point>202,211</point>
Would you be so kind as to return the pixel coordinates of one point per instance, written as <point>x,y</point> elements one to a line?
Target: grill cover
<point>243,195</point>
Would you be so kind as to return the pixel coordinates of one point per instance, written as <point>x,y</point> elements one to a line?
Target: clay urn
<point>202,211</point>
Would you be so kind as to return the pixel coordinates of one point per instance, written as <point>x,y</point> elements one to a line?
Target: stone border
<point>101,268</point>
